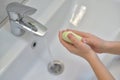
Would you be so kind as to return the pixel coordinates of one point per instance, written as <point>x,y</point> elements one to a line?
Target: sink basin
<point>10,47</point>
<point>99,17</point>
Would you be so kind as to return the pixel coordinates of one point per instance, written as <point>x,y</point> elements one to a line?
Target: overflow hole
<point>34,44</point>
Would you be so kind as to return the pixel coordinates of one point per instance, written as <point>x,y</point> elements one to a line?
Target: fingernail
<point>70,35</point>
<point>84,40</point>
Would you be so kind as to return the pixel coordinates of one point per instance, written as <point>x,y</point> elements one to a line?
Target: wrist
<point>107,46</point>
<point>91,55</point>
<point>93,59</point>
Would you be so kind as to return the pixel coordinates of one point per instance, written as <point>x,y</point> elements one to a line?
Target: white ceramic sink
<point>10,47</point>
<point>99,17</point>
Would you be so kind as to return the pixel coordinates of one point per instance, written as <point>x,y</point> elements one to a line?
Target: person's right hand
<point>97,44</point>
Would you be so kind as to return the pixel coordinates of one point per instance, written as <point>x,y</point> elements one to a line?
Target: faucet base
<point>16,30</point>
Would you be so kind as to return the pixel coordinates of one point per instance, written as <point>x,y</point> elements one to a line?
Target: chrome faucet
<point>20,20</point>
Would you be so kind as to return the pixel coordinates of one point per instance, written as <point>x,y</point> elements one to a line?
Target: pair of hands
<point>89,45</point>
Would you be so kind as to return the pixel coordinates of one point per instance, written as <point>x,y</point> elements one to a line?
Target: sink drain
<point>56,67</point>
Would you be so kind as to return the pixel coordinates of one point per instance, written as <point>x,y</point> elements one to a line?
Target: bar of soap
<point>65,36</point>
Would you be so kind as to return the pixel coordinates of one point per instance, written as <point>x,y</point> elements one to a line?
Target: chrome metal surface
<point>21,22</point>
<point>56,67</point>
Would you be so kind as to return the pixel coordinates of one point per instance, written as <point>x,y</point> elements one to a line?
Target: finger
<point>83,40</point>
<point>70,47</point>
<point>60,35</point>
<point>77,43</point>
<point>61,40</point>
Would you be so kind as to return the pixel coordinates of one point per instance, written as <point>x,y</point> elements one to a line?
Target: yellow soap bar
<point>65,36</point>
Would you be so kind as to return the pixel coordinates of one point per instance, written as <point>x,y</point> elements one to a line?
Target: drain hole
<point>34,44</point>
<point>56,67</point>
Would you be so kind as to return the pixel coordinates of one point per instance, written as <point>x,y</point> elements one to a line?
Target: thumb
<point>75,41</point>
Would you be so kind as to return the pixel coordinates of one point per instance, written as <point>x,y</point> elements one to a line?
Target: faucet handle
<point>16,11</point>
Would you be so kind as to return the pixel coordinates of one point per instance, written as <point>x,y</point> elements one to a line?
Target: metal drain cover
<point>56,67</point>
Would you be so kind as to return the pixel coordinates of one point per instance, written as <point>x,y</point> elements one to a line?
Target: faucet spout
<point>33,26</point>
<point>21,22</point>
